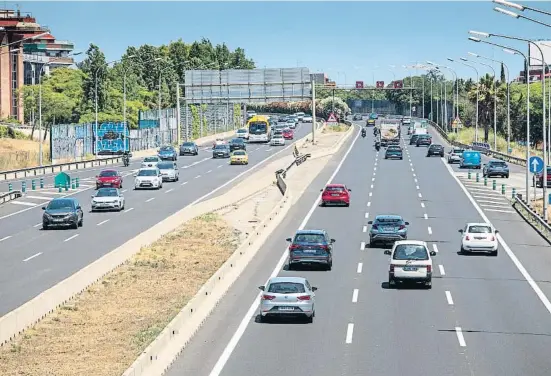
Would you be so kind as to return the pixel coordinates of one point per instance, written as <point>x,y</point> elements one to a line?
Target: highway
<point>483,316</point>
<point>33,260</point>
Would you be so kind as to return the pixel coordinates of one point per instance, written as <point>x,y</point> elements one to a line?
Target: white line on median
<point>430,230</point>
<point>366,215</point>
<point>151,199</point>
<point>33,256</point>
<point>460,337</point>
<point>209,171</point>
<point>417,187</point>
<point>355,296</point>
<point>349,333</point>
<point>71,238</point>
<point>198,176</point>
<point>449,298</point>
<point>370,194</point>
<point>362,246</point>
<point>371,186</point>
<point>102,222</point>
<point>420,195</point>
<point>220,166</point>
<point>441,268</point>
<point>360,267</point>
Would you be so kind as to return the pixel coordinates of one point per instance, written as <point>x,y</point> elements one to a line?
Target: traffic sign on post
<point>380,84</point>
<point>332,118</point>
<point>536,164</point>
<point>398,84</point>
<point>359,84</point>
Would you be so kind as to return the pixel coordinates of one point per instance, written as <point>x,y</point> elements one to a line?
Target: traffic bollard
<point>469,175</point>
<point>41,183</point>
<point>513,193</point>
<point>24,186</point>
<point>477,177</point>
<point>77,182</point>
<point>33,185</point>
<point>59,188</point>
<point>494,185</point>
<point>66,186</point>
<point>502,189</point>
<point>73,184</point>
<point>10,187</point>
<point>485,181</point>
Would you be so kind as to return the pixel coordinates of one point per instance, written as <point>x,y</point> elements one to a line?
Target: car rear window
<point>499,164</point>
<point>239,152</point>
<point>107,192</point>
<point>108,173</point>
<point>166,148</point>
<point>150,159</point>
<point>188,144</point>
<point>388,220</point>
<point>219,147</point>
<point>458,151</point>
<point>309,238</point>
<point>286,288</point>
<point>479,230</point>
<point>334,189</point>
<point>165,166</point>
<point>410,252</point>
<point>394,148</point>
<point>237,141</point>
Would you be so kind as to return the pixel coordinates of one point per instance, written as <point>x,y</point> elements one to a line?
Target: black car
<point>435,149</point>
<point>413,139</point>
<point>423,140</point>
<point>394,151</point>
<point>62,212</point>
<point>189,148</point>
<point>221,151</point>
<point>237,144</point>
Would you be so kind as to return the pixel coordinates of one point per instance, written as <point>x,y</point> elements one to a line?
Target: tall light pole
<point>508,95</point>
<point>53,60</point>
<point>516,15</point>
<point>410,90</point>
<point>548,112</point>
<point>477,94</point>
<point>543,67</point>
<point>495,99</point>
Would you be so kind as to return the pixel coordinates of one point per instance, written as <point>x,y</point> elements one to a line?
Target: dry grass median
<point>106,328</point>
<point>335,128</point>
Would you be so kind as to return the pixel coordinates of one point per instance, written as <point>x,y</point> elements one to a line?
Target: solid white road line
<point>355,296</point>
<point>449,298</point>
<point>7,237</point>
<point>364,229</point>
<point>422,204</point>
<point>505,246</point>
<point>441,268</point>
<point>362,246</point>
<point>460,337</point>
<point>435,247</point>
<point>71,237</point>
<point>184,183</point>
<point>151,199</point>
<point>128,210</point>
<point>102,222</point>
<point>360,267</point>
<point>232,344</point>
<point>429,230</point>
<point>33,256</point>
<point>22,203</point>
<point>425,216</point>
<point>349,333</point>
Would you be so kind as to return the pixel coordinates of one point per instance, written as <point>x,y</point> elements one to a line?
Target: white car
<point>242,133</point>
<point>410,261</point>
<point>107,199</point>
<point>455,155</point>
<point>277,140</point>
<point>148,178</point>
<point>219,142</point>
<point>307,119</point>
<point>479,237</point>
<point>406,120</point>
<point>150,162</point>
<point>300,115</point>
<point>169,171</point>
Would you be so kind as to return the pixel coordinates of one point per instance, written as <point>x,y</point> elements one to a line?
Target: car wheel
<point>329,266</point>
<point>493,253</point>
<point>347,204</point>
<point>323,203</point>
<point>75,225</point>
<point>462,251</point>
<point>290,267</point>
<point>81,222</point>
<point>263,319</point>
<point>391,282</point>
<point>507,176</point>
<point>178,178</point>
<point>310,319</point>
<point>44,226</point>
<point>428,284</point>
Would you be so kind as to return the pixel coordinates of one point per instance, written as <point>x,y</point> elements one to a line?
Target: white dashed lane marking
<point>349,333</point>
<point>355,295</point>
<point>441,268</point>
<point>460,337</point>
<point>429,230</point>
<point>449,298</point>
<point>33,256</point>
<point>360,267</point>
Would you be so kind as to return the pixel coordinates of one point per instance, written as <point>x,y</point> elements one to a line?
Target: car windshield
<point>165,166</point>
<point>188,144</point>
<point>334,189</point>
<point>107,192</point>
<point>309,238</point>
<point>60,204</point>
<point>147,173</point>
<point>388,220</point>
<point>108,173</point>
<point>166,148</point>
<point>241,131</point>
<point>458,151</point>
<point>220,147</point>
<point>239,152</point>
<point>410,252</point>
<point>150,159</point>
<point>498,164</point>
<point>394,148</point>
<point>258,127</point>
<point>237,141</point>
<point>479,229</point>
<point>286,288</point>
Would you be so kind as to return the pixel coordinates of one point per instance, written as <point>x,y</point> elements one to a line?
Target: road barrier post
<point>502,189</point>
<point>469,175</point>
<point>41,183</point>
<point>513,193</point>
<point>485,181</point>
<point>23,186</point>
<point>494,185</point>
<point>73,184</point>
<point>477,177</point>
<point>66,186</point>
<point>33,185</point>
<point>10,187</point>
<point>78,182</point>
<point>59,189</point>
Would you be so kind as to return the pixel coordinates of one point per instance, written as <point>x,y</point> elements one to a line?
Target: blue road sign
<point>536,164</point>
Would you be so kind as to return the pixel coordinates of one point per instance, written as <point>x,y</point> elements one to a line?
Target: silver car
<point>277,140</point>
<point>107,199</point>
<point>151,162</point>
<point>455,155</point>
<point>169,171</point>
<point>287,297</point>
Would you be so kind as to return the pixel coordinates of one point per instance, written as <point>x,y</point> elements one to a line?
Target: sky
<point>350,41</point>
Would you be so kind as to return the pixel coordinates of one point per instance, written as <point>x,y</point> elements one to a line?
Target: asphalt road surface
<point>33,260</point>
<point>483,316</point>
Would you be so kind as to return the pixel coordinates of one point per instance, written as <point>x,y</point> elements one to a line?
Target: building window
<point>14,84</point>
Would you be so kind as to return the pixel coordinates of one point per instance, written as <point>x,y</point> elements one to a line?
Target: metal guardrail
<point>282,174</point>
<point>8,196</point>
<point>493,153</point>
<point>532,218</point>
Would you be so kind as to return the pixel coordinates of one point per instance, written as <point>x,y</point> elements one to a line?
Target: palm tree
<point>486,101</point>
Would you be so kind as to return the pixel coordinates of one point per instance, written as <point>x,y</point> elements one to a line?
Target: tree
<point>95,68</point>
<point>503,80</point>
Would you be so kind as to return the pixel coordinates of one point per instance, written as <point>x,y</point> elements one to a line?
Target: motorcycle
<point>377,146</point>
<point>363,133</point>
<point>126,160</point>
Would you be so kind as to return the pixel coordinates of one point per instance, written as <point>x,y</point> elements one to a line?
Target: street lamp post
<point>455,112</point>
<point>495,99</point>
<point>477,94</point>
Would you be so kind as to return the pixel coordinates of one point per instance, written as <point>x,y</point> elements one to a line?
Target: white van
<point>420,131</point>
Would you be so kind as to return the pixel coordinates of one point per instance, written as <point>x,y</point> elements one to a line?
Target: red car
<point>109,178</point>
<point>335,194</point>
<point>288,134</point>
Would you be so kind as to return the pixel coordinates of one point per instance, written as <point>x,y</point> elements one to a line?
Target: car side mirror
<point>387,252</point>
<point>92,196</point>
<point>460,231</point>
<point>262,287</point>
<point>370,222</point>
<point>407,223</point>
<point>349,190</point>
<point>289,239</point>
<point>333,240</point>
<point>497,231</point>
<point>135,175</point>
<point>314,289</point>
<point>321,190</point>
<point>432,253</point>
<point>43,208</point>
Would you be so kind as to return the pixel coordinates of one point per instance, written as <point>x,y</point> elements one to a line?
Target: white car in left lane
<point>148,178</point>
<point>479,237</point>
<point>107,199</point>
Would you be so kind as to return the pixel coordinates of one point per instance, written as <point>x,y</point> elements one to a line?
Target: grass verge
<point>467,136</point>
<point>537,205</point>
<point>21,153</point>
<point>106,328</point>
<point>335,128</point>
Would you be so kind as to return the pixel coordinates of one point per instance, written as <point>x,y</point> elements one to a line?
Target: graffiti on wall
<point>68,141</point>
<point>113,138</point>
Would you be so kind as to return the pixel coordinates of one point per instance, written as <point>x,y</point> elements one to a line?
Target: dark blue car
<point>168,153</point>
<point>311,247</point>
<point>387,229</point>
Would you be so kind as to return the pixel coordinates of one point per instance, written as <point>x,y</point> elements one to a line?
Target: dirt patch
<point>537,205</point>
<point>20,153</point>
<point>105,329</point>
<point>335,128</point>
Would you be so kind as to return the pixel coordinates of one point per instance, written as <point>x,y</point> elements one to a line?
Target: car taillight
<point>402,227</point>
<point>268,297</point>
<point>375,227</point>
<point>304,297</point>
<point>467,237</point>
<point>293,247</point>
<point>429,268</point>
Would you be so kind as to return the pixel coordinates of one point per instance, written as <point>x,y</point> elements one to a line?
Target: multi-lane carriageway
<point>483,316</point>
<point>33,260</point>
